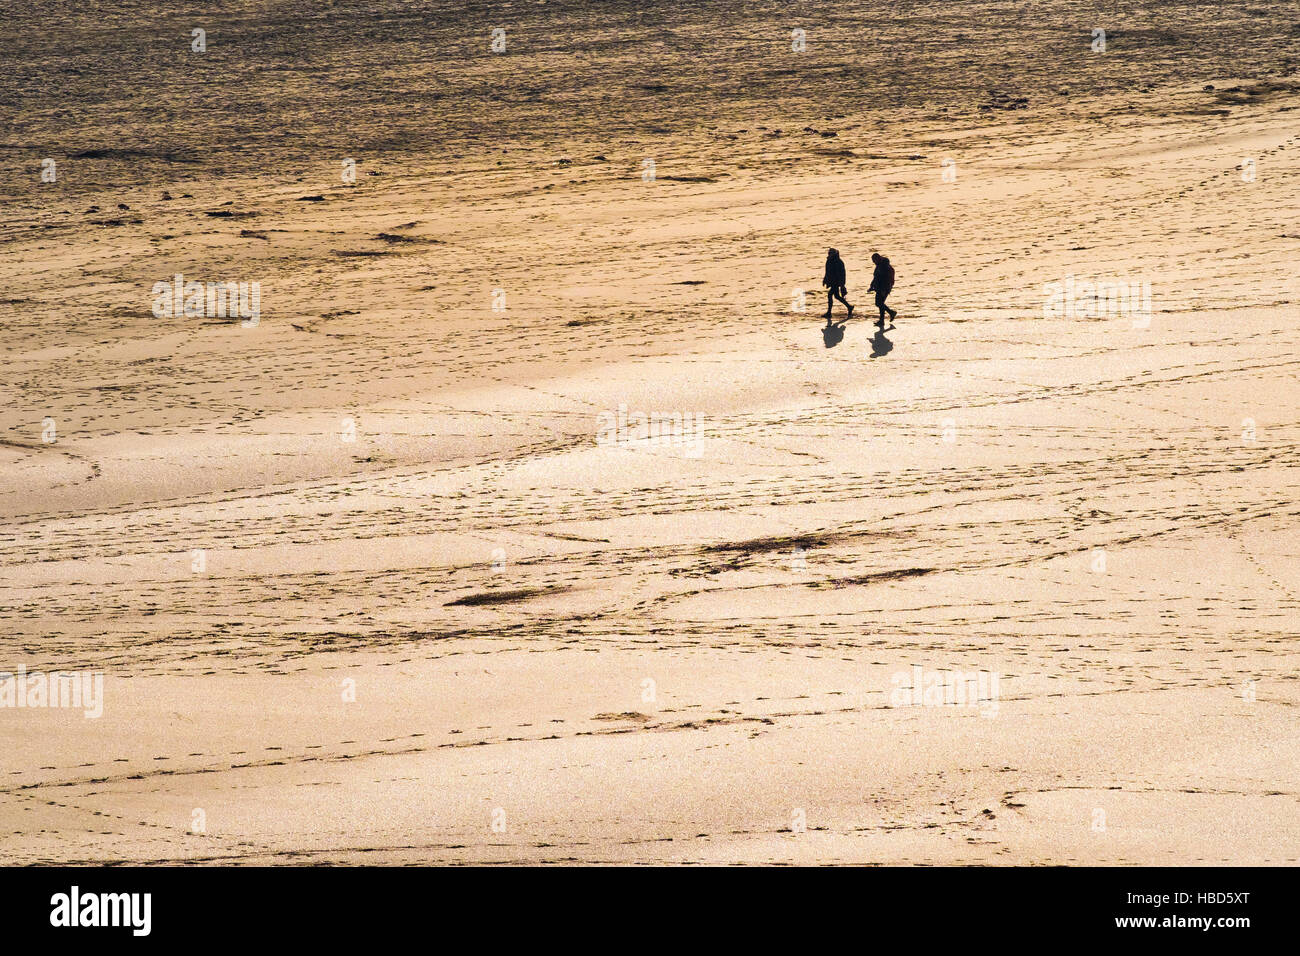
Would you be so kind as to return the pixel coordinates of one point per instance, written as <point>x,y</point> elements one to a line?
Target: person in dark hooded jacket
<point>882,283</point>
<point>834,282</point>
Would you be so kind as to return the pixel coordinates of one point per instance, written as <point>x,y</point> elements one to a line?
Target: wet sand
<point>372,581</point>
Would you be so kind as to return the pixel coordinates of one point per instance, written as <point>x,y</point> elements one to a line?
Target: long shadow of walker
<point>880,345</point>
<point>833,335</point>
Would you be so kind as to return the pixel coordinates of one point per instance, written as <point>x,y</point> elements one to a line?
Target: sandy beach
<point>394,570</point>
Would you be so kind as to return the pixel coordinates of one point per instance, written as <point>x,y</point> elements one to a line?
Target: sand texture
<point>371,581</point>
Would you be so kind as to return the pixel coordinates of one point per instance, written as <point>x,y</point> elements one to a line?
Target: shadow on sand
<point>833,334</point>
<point>879,344</point>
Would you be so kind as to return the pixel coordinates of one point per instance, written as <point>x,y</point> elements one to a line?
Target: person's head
<point>875,257</point>
<point>833,254</point>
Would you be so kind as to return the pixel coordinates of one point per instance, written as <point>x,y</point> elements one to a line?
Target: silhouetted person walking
<point>882,283</point>
<point>834,282</point>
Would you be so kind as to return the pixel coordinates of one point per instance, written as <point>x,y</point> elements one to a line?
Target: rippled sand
<point>372,580</point>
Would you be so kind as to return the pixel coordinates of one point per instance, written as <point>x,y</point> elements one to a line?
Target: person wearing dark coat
<point>834,282</point>
<point>882,283</point>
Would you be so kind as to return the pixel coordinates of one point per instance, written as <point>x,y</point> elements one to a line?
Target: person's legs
<point>884,308</point>
<point>880,304</point>
<point>831,296</point>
